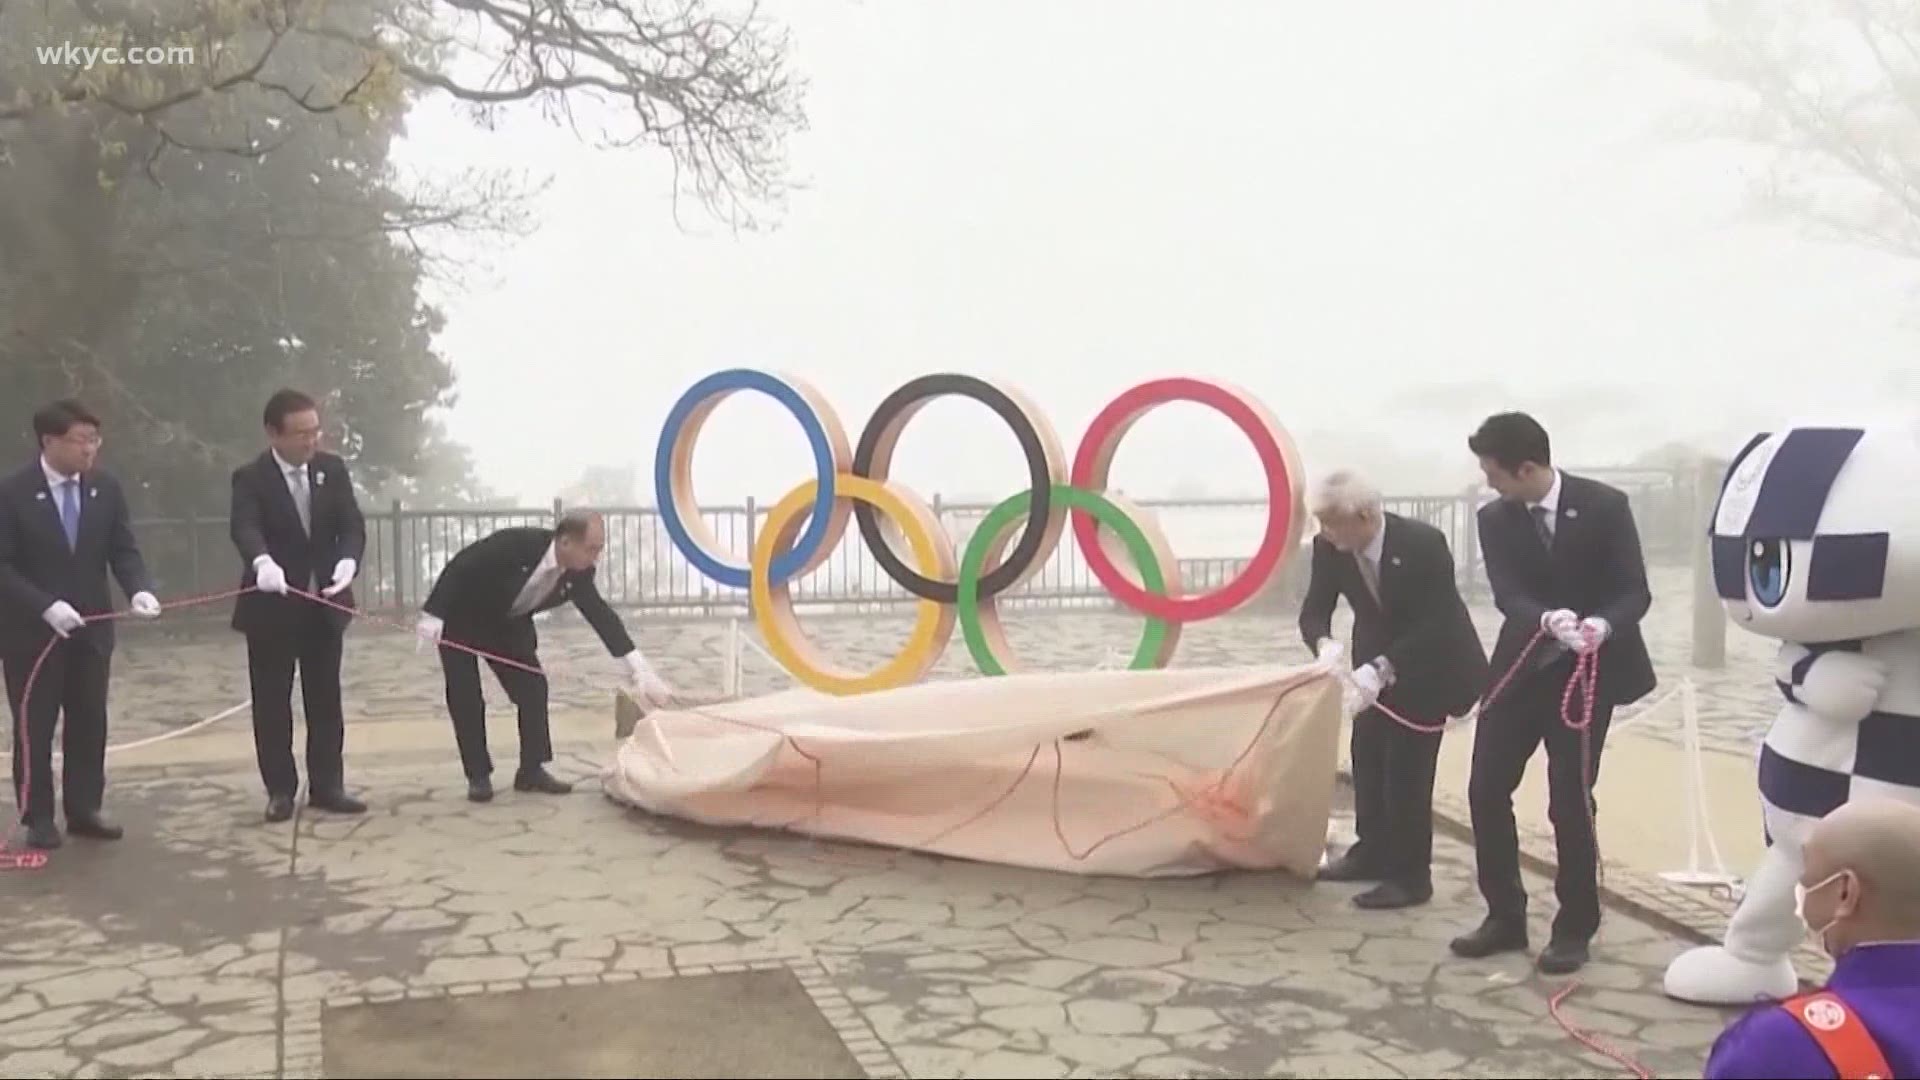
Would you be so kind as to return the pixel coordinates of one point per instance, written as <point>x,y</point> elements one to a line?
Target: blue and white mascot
<point>1816,543</point>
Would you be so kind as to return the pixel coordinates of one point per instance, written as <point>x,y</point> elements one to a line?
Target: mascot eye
<point>1768,568</point>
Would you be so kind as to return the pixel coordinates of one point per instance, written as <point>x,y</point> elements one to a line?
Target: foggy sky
<point>1385,220</point>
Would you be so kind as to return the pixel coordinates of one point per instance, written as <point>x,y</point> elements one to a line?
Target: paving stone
<point>475,969</point>
<point>150,1053</point>
<point>1106,1051</point>
<point>124,1030</point>
<point>1183,1019</point>
<point>251,1055</point>
<point>38,1063</point>
<point>1097,1017</point>
<point>103,984</point>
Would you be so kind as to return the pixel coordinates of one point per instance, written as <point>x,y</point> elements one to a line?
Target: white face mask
<point>1800,894</point>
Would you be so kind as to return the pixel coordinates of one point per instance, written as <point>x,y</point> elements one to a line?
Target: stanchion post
<point>1709,619</point>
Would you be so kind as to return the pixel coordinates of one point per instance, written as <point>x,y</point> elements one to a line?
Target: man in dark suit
<point>63,525</point>
<point>1563,556</point>
<point>1415,651</point>
<point>486,599</point>
<point>297,525</point>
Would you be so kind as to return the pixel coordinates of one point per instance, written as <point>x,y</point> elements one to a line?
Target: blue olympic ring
<point>719,384</point>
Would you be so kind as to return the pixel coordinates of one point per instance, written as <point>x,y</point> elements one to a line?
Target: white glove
<point>1367,680</point>
<point>1564,625</point>
<point>146,605</point>
<point>1843,686</point>
<point>651,687</point>
<point>268,577</point>
<point>61,616</point>
<point>1331,652</point>
<point>343,572</point>
<point>1595,631</point>
<point>427,631</point>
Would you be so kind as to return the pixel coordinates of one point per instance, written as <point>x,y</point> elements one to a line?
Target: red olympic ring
<point>1279,461</point>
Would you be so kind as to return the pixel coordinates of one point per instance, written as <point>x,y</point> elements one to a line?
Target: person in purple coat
<point>1860,895</point>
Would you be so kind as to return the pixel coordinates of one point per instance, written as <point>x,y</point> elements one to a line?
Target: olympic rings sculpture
<point>854,483</point>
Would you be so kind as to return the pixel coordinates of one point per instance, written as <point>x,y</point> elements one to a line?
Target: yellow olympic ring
<point>773,609</point>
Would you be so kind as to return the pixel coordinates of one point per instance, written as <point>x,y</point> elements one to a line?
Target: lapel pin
<point>93,493</point>
<point>1395,560</point>
<point>40,495</point>
<point>319,479</point>
<point>1572,513</point>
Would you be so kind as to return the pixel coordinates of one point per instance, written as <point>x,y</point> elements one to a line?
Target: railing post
<point>399,546</point>
<point>558,508</point>
<point>1709,618</point>
<point>753,532</point>
<point>1470,536</point>
<point>193,548</point>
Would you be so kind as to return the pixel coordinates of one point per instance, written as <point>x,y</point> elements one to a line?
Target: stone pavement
<point>209,943</point>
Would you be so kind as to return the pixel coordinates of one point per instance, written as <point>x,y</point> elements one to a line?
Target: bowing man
<point>1415,651</point>
<point>485,599</point>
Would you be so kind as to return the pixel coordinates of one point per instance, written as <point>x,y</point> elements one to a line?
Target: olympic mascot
<point>1816,543</point>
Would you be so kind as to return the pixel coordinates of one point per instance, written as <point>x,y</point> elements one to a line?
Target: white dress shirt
<point>295,477</point>
<point>539,583</point>
<point>1551,503</point>
<point>1370,557</point>
<point>55,477</point>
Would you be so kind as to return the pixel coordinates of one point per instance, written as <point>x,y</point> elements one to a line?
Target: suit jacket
<point>37,568</point>
<point>264,521</point>
<point>474,595</point>
<point>1595,568</point>
<point>1420,624</point>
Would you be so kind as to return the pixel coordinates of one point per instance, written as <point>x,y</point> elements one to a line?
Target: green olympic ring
<point>1011,510</point>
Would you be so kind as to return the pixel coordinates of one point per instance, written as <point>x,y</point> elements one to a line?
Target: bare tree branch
<point>710,89</point>
<point>1834,87</point>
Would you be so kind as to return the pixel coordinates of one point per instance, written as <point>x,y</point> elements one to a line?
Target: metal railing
<point>407,547</point>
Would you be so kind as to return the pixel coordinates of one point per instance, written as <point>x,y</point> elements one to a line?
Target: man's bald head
<point>1862,873</point>
<point>579,537</point>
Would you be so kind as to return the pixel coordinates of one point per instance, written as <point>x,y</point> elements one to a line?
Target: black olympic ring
<point>877,444</point>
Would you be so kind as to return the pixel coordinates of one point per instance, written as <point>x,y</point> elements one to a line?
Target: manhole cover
<point>756,1023</point>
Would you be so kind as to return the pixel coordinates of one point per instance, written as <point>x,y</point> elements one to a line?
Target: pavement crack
<point>280,957</point>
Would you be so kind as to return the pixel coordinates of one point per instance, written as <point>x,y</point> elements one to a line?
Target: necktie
<point>1370,573</point>
<point>1540,526</point>
<point>302,498</point>
<point>70,512</point>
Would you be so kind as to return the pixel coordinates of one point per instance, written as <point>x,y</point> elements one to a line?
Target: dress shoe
<point>336,802</point>
<point>1490,937</point>
<point>95,826</point>
<point>540,780</point>
<point>1563,956</point>
<point>1393,894</point>
<point>279,807</point>
<point>1348,868</point>
<point>44,835</point>
<point>480,790</point>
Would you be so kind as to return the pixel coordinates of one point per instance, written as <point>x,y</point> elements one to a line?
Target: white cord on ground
<point>165,735</point>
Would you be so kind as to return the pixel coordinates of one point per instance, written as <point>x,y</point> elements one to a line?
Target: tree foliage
<point>179,238</point>
<point>1832,89</point>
